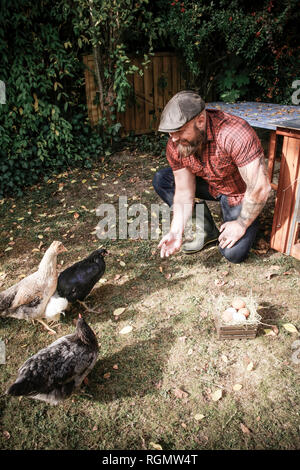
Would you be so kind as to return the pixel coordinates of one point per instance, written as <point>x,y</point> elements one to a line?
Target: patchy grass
<point>165,372</point>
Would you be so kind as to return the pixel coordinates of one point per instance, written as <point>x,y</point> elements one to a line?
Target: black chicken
<point>77,281</point>
<point>55,372</point>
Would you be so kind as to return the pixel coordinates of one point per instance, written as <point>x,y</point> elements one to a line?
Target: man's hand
<point>169,244</point>
<point>231,232</point>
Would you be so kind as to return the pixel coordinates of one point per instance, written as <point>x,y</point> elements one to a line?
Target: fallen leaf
<point>275,329</point>
<point>115,366</point>
<point>245,429</point>
<point>155,446</point>
<point>107,375</point>
<point>220,283</point>
<point>250,366</point>
<point>117,276</point>
<point>190,352</point>
<point>198,417</point>
<point>237,387</point>
<point>224,358</point>
<point>95,428</point>
<point>122,264</point>
<point>180,393</point>
<point>126,330</point>
<point>290,327</point>
<point>217,395</point>
<point>119,311</point>
<point>6,435</point>
<point>161,269</point>
<point>269,332</point>
<point>76,215</point>
<point>270,274</point>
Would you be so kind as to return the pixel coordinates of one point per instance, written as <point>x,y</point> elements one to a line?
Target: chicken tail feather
<point>19,388</point>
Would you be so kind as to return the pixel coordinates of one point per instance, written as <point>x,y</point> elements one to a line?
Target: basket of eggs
<point>236,318</point>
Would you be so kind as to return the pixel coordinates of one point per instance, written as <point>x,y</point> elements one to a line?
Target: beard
<point>186,148</point>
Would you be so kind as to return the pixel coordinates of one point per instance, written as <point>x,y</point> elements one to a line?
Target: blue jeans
<point>164,185</point>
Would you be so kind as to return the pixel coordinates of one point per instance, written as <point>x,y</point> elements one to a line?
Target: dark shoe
<point>206,232</point>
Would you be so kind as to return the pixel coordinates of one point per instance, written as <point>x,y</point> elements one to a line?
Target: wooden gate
<point>162,78</point>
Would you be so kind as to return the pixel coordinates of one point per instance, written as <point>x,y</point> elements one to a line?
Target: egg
<point>238,303</point>
<point>244,311</point>
<point>238,317</point>
<point>231,310</point>
<point>227,316</point>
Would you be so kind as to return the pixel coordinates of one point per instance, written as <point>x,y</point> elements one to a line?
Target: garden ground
<point>153,387</point>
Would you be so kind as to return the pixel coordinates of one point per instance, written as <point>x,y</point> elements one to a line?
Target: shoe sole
<point>191,252</point>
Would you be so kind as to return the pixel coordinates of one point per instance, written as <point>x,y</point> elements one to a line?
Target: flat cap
<point>183,107</point>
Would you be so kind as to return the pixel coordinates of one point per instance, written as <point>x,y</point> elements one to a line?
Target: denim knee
<point>234,254</point>
<point>157,180</point>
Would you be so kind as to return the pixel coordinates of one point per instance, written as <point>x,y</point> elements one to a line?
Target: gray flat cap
<point>183,107</point>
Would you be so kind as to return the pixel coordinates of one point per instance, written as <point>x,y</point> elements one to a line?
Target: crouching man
<point>213,156</point>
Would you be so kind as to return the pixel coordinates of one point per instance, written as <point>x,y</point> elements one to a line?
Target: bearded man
<point>213,156</point>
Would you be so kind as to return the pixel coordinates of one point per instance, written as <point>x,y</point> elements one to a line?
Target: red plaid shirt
<point>231,143</point>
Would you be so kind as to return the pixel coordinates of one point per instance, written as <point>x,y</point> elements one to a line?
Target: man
<point>213,156</point>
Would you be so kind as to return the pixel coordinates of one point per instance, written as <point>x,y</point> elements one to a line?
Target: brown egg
<point>238,303</point>
<point>244,311</point>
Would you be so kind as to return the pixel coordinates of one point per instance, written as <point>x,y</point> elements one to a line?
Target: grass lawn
<point>154,386</point>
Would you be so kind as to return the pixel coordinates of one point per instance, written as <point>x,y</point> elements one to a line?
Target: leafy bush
<point>44,126</point>
<point>236,49</point>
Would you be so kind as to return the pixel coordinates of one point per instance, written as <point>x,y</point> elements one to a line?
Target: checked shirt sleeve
<point>241,143</point>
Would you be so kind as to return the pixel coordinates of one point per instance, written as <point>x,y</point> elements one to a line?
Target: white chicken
<point>28,298</point>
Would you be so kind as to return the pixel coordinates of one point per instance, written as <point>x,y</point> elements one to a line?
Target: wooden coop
<point>161,79</point>
<point>285,236</point>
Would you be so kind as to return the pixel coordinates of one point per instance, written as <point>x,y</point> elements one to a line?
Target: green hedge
<point>43,125</point>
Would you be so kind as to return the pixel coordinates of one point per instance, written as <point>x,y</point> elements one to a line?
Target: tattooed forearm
<point>250,210</point>
<point>257,192</point>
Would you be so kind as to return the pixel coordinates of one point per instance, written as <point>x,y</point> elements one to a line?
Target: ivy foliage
<point>43,125</point>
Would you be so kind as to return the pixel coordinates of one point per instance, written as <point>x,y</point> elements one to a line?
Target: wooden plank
<point>286,194</point>
<point>174,88</point>
<point>272,154</point>
<point>167,74</point>
<point>158,92</point>
<point>237,337</point>
<point>139,99</point>
<point>289,133</point>
<point>149,96</point>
